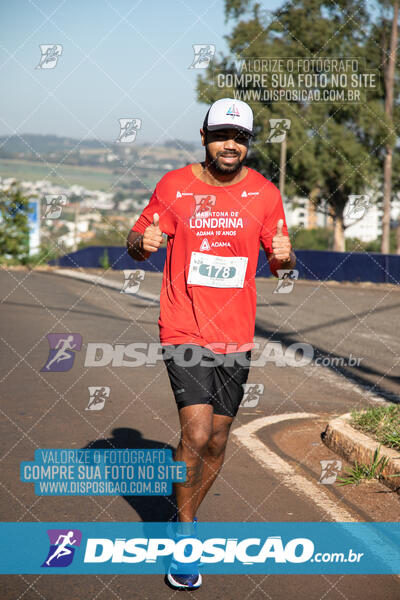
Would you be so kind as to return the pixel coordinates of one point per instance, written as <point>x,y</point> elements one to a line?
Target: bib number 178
<point>218,272</point>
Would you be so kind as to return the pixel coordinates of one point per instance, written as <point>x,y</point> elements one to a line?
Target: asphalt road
<point>47,410</point>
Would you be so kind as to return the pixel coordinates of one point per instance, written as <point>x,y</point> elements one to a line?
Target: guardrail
<point>311,264</point>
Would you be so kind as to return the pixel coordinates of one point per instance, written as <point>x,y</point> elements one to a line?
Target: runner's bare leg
<point>213,457</point>
<point>196,431</point>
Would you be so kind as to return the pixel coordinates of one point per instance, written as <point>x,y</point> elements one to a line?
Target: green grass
<point>65,175</point>
<point>361,472</point>
<point>93,178</point>
<point>381,422</point>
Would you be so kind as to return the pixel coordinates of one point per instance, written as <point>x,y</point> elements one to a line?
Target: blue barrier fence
<point>311,264</point>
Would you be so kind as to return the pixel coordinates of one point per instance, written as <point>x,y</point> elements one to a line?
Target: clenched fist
<point>281,245</point>
<point>152,236</point>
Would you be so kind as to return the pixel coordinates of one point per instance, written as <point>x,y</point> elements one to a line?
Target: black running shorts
<point>199,376</point>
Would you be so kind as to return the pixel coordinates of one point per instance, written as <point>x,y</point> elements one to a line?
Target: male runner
<point>215,215</point>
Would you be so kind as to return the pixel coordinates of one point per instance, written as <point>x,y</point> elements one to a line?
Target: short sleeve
<point>167,224</point>
<point>274,211</point>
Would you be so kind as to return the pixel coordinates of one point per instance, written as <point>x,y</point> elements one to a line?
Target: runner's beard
<point>218,167</point>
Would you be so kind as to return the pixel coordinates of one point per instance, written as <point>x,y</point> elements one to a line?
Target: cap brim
<point>229,126</point>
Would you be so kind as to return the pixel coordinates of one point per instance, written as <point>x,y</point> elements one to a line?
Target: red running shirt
<point>224,221</point>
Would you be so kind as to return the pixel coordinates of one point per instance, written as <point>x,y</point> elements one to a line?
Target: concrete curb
<point>354,446</point>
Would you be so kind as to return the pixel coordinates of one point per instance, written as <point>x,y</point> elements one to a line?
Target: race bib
<point>217,271</point>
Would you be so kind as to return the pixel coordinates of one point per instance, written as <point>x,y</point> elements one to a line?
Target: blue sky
<point>137,66</point>
<point>121,58</point>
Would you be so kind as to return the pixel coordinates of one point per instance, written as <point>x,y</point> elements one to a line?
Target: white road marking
<point>381,335</point>
<point>246,435</point>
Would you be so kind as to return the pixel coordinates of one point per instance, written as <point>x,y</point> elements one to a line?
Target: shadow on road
<point>149,508</point>
<point>89,313</point>
<point>358,376</point>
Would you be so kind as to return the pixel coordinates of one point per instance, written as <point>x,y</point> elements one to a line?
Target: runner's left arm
<point>275,236</point>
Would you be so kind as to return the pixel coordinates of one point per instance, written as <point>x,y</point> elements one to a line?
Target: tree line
<point>333,149</point>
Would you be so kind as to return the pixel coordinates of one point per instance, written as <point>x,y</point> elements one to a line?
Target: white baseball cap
<point>228,113</point>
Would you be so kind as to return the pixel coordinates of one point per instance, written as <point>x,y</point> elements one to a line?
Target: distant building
<point>126,204</point>
<point>367,226</point>
<point>300,212</point>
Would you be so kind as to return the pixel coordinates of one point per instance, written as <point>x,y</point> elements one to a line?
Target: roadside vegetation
<point>382,423</point>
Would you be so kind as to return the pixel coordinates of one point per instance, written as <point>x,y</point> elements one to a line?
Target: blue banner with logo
<point>247,548</point>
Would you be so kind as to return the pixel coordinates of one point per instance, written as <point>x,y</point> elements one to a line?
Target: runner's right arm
<point>140,246</point>
<point>134,246</point>
<point>145,236</point>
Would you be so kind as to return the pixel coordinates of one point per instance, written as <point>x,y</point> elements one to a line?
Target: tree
<point>14,227</point>
<point>389,54</point>
<point>311,239</point>
<point>333,149</point>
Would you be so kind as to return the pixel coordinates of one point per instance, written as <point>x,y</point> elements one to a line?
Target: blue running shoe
<point>181,581</point>
<point>184,576</point>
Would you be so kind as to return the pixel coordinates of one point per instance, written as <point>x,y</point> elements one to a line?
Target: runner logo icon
<point>128,130</point>
<point>97,397</point>
<point>133,278</point>
<point>279,129</point>
<point>330,469</point>
<point>286,280</point>
<point>55,203</point>
<point>50,55</point>
<point>203,54</point>
<point>63,543</point>
<point>62,351</point>
<point>204,204</point>
<point>252,393</point>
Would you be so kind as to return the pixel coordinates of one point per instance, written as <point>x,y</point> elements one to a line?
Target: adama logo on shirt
<point>206,246</point>
<point>245,194</point>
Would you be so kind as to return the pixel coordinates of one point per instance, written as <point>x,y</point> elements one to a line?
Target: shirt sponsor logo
<point>233,111</point>
<point>205,245</point>
<point>245,194</point>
